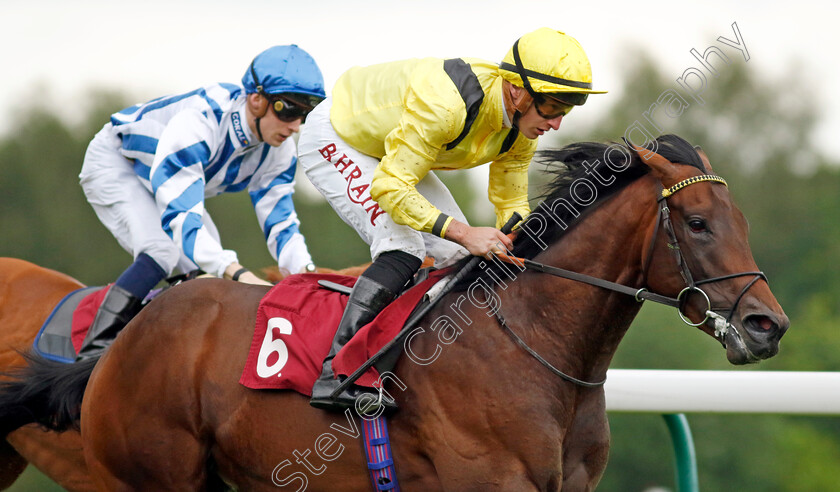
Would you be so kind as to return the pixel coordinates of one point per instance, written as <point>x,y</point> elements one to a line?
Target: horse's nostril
<point>761,325</point>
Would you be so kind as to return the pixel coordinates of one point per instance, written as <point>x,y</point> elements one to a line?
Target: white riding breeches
<point>126,207</point>
<point>343,176</point>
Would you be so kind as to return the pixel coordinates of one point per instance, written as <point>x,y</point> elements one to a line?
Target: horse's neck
<point>574,324</point>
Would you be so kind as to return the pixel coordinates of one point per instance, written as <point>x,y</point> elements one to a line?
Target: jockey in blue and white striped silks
<point>148,171</point>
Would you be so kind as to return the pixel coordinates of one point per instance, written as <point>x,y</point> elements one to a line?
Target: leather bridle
<point>722,324</point>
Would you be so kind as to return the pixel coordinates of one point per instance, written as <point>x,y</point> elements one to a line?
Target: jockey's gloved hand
<point>237,272</point>
<point>479,241</point>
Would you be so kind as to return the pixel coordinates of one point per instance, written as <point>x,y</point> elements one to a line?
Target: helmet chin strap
<point>257,124</point>
<point>258,118</point>
<point>509,102</point>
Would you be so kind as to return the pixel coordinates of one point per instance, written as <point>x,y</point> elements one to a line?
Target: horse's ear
<point>703,157</point>
<point>660,165</point>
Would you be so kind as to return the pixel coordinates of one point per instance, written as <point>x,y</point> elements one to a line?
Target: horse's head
<point>708,264</point>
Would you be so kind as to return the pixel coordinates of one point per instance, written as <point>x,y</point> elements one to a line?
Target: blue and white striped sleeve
<point>271,196</point>
<point>177,179</point>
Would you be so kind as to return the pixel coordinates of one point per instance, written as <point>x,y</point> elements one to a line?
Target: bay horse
<point>28,293</point>
<point>164,410</point>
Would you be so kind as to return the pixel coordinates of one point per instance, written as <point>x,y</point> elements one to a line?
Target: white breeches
<point>345,183</point>
<point>126,207</point>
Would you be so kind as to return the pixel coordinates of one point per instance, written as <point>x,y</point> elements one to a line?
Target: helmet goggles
<point>553,105</point>
<point>290,106</point>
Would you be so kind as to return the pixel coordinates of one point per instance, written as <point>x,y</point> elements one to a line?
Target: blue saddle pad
<point>54,340</point>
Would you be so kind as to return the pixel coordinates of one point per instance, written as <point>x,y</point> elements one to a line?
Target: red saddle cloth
<point>295,325</point>
<point>84,314</point>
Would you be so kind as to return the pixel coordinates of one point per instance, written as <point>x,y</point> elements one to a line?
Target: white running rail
<point>669,391</point>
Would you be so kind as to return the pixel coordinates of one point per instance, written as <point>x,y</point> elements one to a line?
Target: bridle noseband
<point>721,324</point>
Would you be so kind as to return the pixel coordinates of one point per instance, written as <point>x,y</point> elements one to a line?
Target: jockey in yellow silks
<point>372,146</point>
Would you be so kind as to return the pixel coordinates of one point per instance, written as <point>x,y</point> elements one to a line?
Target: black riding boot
<point>366,301</point>
<point>116,310</point>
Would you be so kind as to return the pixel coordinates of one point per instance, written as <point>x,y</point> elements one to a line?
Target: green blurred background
<point>760,142</point>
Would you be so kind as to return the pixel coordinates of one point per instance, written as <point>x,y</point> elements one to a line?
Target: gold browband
<point>690,181</point>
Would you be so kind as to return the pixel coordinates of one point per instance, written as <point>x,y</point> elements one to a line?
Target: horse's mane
<point>566,201</point>
<point>579,161</point>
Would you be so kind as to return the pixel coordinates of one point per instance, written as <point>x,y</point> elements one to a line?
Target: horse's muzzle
<point>756,338</point>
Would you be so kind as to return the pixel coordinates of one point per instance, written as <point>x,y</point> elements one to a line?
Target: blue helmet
<point>284,69</point>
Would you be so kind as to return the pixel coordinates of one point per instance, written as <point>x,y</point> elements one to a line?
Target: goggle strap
<point>525,73</point>
<point>519,68</point>
<point>260,91</point>
<point>256,80</point>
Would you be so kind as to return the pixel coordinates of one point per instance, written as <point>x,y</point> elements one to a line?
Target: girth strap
<point>380,461</point>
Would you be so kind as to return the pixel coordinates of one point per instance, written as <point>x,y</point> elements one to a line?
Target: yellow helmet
<point>547,61</point>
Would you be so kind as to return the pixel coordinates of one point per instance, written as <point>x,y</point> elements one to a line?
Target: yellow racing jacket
<point>431,114</point>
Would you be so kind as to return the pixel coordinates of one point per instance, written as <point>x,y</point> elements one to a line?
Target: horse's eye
<point>697,225</point>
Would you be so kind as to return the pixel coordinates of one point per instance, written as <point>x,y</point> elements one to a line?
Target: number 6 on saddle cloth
<point>310,313</point>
